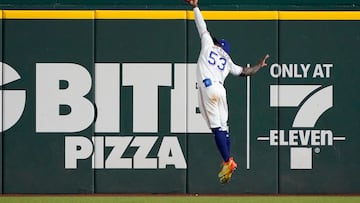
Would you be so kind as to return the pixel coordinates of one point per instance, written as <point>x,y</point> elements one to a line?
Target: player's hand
<point>262,62</point>
<point>193,3</point>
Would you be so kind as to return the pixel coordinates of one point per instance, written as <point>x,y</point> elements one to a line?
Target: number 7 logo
<point>313,99</point>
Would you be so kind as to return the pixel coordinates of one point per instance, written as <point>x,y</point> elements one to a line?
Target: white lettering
<point>274,137</point>
<point>144,145</point>
<point>301,138</point>
<point>305,69</point>
<point>293,137</point>
<point>275,70</point>
<point>115,160</point>
<point>287,70</point>
<point>50,97</point>
<point>82,148</point>
<point>318,71</point>
<point>170,153</point>
<point>12,102</point>
<point>327,69</point>
<point>300,70</point>
<point>107,97</point>
<point>98,155</point>
<point>327,135</point>
<point>315,137</point>
<point>145,80</point>
<point>282,140</point>
<point>178,99</point>
<point>76,147</point>
<point>304,136</point>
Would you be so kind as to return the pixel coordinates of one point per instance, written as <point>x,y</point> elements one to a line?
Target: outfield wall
<point>179,4</point>
<point>104,101</point>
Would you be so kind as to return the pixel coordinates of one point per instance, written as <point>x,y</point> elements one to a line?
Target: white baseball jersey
<point>213,66</point>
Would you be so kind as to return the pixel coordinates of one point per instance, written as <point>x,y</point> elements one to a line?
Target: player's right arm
<point>200,24</point>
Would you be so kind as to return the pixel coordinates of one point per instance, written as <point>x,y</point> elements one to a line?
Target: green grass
<point>179,199</point>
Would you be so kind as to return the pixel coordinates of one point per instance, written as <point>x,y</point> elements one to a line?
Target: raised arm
<point>252,70</point>
<point>200,24</point>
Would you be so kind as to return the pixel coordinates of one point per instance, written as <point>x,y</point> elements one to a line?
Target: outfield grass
<point>180,199</point>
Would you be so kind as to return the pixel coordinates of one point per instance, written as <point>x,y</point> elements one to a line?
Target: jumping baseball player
<point>213,66</point>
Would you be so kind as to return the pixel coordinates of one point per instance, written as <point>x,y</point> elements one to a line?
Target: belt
<point>208,82</point>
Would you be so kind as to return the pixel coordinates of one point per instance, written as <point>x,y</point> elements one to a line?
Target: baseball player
<point>213,66</point>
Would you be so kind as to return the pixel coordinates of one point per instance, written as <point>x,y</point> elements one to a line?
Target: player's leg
<point>229,166</point>
<point>208,102</point>
<point>211,103</point>
<point>228,141</point>
<point>223,112</point>
<point>210,98</point>
<point>221,143</point>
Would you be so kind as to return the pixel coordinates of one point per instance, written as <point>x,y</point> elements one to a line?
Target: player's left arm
<point>248,71</point>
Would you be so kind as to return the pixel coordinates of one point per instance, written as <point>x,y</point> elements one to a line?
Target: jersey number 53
<point>214,59</point>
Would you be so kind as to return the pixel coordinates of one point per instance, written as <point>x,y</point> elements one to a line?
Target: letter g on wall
<point>12,102</point>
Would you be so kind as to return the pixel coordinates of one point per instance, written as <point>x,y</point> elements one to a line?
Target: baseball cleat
<point>227,170</point>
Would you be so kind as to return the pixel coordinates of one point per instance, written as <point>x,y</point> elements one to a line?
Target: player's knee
<point>219,130</point>
<point>215,130</point>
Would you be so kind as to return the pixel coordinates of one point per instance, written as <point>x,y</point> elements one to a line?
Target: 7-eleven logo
<point>303,139</point>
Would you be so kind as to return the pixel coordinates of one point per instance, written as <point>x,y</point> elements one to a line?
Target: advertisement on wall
<point>99,102</point>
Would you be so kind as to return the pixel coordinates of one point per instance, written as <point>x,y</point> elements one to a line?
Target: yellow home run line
<point>179,15</point>
<point>319,15</point>
<point>47,14</point>
<point>140,14</point>
<point>236,15</point>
